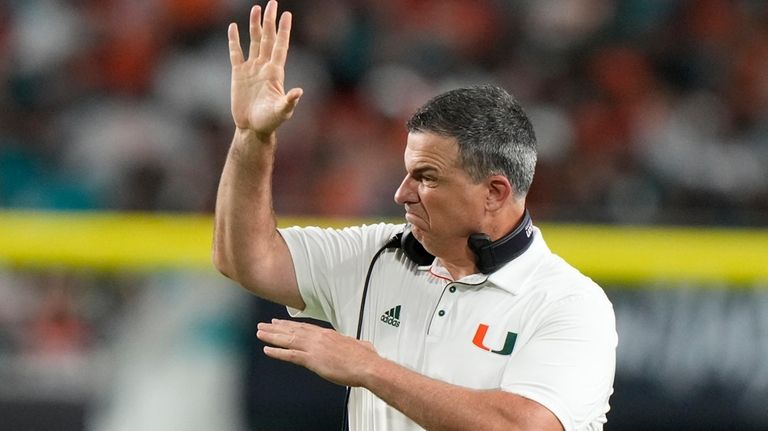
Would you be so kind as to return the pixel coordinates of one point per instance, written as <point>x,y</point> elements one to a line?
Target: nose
<point>406,193</point>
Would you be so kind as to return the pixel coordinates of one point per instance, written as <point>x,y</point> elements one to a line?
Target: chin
<point>417,233</point>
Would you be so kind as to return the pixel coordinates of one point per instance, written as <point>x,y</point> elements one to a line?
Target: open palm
<point>259,100</point>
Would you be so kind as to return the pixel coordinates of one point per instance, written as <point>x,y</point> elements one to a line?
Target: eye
<point>425,177</point>
<point>428,180</point>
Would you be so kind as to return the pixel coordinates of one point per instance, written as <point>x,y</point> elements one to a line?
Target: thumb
<point>291,100</point>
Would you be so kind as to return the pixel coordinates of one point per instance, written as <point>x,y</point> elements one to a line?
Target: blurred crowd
<point>646,111</point>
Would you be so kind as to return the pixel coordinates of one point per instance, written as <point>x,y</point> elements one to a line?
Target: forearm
<point>244,218</point>
<point>436,405</point>
<point>245,235</point>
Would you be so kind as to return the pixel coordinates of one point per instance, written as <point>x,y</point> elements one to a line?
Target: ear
<point>499,190</point>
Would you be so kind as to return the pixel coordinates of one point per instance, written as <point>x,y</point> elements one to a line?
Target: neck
<point>505,221</point>
<point>464,262</point>
<point>460,269</point>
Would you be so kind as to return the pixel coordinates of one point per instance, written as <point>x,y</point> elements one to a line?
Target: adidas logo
<point>392,316</point>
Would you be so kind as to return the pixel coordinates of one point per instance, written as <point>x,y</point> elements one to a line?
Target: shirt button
<point>441,313</point>
<point>452,289</point>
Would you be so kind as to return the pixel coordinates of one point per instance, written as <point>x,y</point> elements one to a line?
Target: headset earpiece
<point>491,256</point>
<point>413,248</point>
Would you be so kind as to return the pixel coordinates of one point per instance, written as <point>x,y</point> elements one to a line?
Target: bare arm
<point>437,405</point>
<point>433,404</point>
<point>246,245</point>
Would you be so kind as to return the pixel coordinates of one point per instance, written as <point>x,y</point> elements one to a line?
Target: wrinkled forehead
<point>424,148</point>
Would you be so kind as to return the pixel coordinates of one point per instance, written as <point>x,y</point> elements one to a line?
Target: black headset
<point>489,256</point>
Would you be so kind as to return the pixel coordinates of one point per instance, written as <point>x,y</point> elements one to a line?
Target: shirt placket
<point>442,312</point>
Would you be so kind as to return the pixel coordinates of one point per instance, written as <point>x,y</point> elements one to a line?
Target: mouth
<point>411,218</point>
<point>416,220</point>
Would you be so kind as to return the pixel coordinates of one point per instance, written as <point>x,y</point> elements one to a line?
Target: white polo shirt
<point>536,327</point>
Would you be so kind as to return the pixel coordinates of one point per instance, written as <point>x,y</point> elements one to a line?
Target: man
<point>495,332</point>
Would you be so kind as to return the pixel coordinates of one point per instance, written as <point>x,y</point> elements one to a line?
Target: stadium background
<point>652,118</point>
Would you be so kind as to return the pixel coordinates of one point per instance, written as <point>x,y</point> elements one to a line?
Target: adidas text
<point>390,320</point>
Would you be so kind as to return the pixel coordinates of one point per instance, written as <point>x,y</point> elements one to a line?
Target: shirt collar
<point>511,277</point>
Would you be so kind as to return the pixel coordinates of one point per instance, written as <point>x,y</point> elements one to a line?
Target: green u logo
<point>479,339</point>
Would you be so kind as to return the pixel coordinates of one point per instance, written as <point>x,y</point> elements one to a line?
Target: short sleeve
<point>331,265</point>
<point>569,362</point>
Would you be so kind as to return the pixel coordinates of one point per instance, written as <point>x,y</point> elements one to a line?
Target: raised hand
<point>259,100</point>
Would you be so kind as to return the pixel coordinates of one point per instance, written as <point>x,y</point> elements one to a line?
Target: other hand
<point>340,359</point>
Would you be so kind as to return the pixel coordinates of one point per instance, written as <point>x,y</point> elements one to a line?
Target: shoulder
<point>356,237</point>
<point>376,230</point>
<point>558,276</point>
<point>569,299</point>
<point>540,271</point>
<point>552,282</point>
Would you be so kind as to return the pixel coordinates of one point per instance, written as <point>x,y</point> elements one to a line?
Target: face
<point>442,203</point>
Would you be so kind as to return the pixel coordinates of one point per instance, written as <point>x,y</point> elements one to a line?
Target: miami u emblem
<point>479,341</point>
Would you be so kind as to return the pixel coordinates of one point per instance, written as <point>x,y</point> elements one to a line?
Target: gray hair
<point>494,134</point>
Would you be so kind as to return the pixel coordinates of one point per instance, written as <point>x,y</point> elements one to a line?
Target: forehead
<point>430,149</point>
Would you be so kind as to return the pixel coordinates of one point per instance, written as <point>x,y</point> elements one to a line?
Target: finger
<point>277,328</point>
<point>235,50</point>
<point>289,323</point>
<point>291,327</point>
<point>277,339</point>
<point>254,28</point>
<point>280,51</point>
<point>268,31</point>
<point>294,95</point>
<point>291,100</point>
<point>293,356</point>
